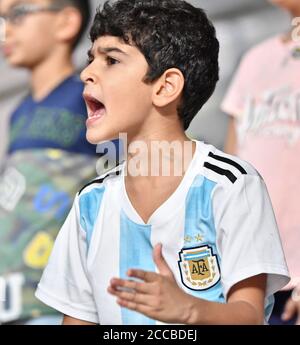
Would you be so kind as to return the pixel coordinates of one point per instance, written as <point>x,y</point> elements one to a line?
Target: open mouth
<point>96,109</point>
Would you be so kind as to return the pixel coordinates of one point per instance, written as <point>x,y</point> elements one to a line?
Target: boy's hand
<point>157,297</point>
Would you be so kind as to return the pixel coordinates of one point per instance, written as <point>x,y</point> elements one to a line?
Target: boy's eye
<point>111,61</point>
<point>89,60</point>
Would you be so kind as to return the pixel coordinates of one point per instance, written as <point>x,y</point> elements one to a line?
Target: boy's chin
<point>96,138</point>
<point>13,62</point>
<point>17,63</point>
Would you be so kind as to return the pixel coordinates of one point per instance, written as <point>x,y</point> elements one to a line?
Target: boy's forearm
<point>202,312</point>
<point>71,321</point>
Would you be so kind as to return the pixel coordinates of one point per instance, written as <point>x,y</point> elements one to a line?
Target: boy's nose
<point>87,76</point>
<point>7,28</point>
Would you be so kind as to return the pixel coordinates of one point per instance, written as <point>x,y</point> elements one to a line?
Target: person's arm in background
<point>292,306</point>
<point>230,145</point>
<point>233,104</point>
<point>68,321</point>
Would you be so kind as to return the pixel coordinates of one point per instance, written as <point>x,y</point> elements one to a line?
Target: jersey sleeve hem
<point>277,277</point>
<point>64,307</point>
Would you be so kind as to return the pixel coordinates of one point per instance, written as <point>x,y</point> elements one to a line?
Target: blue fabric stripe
<point>193,257</point>
<point>269,305</point>
<point>199,219</point>
<point>89,205</point>
<point>135,252</point>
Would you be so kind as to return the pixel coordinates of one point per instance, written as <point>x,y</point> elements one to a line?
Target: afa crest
<point>199,268</point>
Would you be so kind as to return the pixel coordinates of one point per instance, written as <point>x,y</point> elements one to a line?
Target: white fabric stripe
<point>172,239</point>
<point>103,262</point>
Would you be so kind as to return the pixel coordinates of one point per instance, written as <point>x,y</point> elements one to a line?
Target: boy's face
<point>114,77</point>
<point>29,38</point>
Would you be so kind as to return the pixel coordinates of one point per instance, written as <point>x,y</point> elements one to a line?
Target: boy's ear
<point>68,24</point>
<point>168,88</point>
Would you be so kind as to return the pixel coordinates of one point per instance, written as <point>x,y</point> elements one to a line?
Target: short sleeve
<point>235,98</point>
<point>249,240</point>
<point>64,285</point>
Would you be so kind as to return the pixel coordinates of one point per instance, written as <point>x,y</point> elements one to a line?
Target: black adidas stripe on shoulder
<point>228,161</point>
<point>229,174</point>
<point>100,180</point>
<point>221,171</point>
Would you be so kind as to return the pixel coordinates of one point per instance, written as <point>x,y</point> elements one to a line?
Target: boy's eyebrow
<point>16,3</point>
<point>110,50</point>
<point>106,50</point>
<point>20,2</point>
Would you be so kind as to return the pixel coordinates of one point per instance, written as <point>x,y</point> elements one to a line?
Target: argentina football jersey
<point>213,236</point>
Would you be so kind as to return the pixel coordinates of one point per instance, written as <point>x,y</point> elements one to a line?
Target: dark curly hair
<point>169,33</point>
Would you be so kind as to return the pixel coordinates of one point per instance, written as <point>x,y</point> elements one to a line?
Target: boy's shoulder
<point>108,176</point>
<point>224,169</point>
<point>228,183</point>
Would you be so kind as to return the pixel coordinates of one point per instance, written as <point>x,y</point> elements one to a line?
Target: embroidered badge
<point>199,268</point>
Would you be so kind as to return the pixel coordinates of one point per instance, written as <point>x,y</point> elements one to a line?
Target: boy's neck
<point>49,74</point>
<point>160,127</point>
<point>169,134</point>
<point>148,191</point>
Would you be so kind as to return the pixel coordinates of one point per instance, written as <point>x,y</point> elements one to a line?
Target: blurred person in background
<point>48,159</point>
<point>263,102</point>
